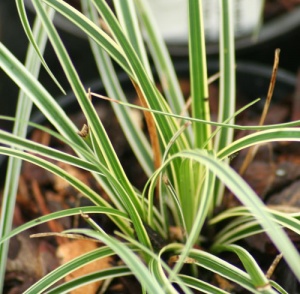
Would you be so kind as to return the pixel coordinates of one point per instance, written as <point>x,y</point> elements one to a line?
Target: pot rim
<point>279,26</point>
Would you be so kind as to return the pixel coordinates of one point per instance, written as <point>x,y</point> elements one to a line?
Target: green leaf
<point>201,286</point>
<point>246,195</point>
<point>217,265</point>
<point>227,74</point>
<point>48,152</point>
<point>161,58</point>
<point>258,278</point>
<point>102,142</point>
<point>282,134</point>
<point>67,268</point>
<point>135,264</point>
<point>111,273</point>
<point>32,38</point>
<point>126,14</point>
<point>198,73</point>
<point>40,97</point>
<point>73,181</point>
<point>64,213</point>
<point>227,84</point>
<point>91,30</point>
<point>165,125</point>
<point>246,225</point>
<point>132,131</point>
<point>32,64</point>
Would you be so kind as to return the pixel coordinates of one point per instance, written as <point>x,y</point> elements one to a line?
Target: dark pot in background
<point>278,27</point>
<point>13,37</point>
<point>252,79</point>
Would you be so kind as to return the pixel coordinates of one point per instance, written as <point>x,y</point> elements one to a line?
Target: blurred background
<point>280,29</point>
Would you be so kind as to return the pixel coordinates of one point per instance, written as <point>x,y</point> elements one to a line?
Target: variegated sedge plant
<point>186,162</point>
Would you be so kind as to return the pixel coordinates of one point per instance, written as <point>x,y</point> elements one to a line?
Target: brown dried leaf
<point>28,261</point>
<point>61,185</point>
<point>72,249</point>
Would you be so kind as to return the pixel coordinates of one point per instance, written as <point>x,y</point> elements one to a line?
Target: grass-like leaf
<point>135,137</point>
<point>23,111</point>
<point>258,277</point>
<point>201,286</point>
<point>62,214</point>
<point>246,225</point>
<point>217,265</point>
<point>38,94</point>
<point>161,58</point>
<point>130,259</point>
<point>43,284</point>
<point>101,139</point>
<point>244,193</point>
<point>111,273</point>
<point>32,38</point>
<point>282,134</point>
<point>198,72</point>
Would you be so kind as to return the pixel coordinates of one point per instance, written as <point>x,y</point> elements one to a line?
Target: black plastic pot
<point>252,79</point>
